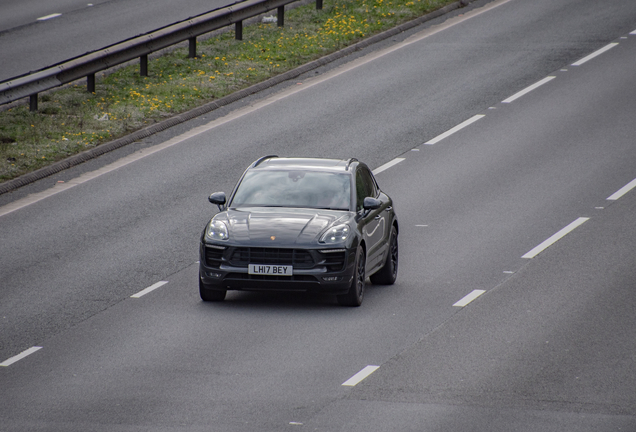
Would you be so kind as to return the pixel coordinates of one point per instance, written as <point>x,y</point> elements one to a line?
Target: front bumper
<point>325,270</point>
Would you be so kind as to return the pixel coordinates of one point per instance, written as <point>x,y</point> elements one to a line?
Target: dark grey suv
<point>300,224</point>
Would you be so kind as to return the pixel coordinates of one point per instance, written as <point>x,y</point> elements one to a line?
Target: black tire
<point>355,295</point>
<point>388,273</point>
<point>211,295</point>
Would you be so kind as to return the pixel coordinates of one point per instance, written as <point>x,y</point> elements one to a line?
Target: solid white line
<point>595,53</point>
<point>528,89</point>
<point>20,356</point>
<point>48,17</point>
<point>470,297</point>
<point>622,191</point>
<point>556,237</point>
<point>150,288</point>
<point>457,128</point>
<point>387,165</point>
<point>360,376</point>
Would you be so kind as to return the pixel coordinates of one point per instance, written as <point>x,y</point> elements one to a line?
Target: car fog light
<point>332,278</point>
<point>214,275</point>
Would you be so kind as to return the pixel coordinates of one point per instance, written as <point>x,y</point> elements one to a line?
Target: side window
<point>365,187</point>
<point>373,190</point>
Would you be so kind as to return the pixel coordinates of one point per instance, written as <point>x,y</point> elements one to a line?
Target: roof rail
<point>349,162</point>
<point>257,163</point>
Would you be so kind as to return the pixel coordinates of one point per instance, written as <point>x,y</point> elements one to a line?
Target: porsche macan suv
<point>300,224</point>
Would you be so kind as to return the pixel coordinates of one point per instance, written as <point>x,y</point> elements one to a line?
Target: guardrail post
<point>33,102</point>
<point>281,16</point>
<point>318,4</point>
<point>90,83</point>
<point>238,30</point>
<point>192,45</point>
<point>143,65</point>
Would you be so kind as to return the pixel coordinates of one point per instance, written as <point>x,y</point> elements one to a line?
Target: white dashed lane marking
<point>528,89</point>
<point>48,17</point>
<point>622,191</point>
<point>457,128</point>
<point>368,370</point>
<point>387,165</point>
<point>20,356</point>
<point>556,237</point>
<point>469,298</point>
<point>595,53</point>
<point>149,289</point>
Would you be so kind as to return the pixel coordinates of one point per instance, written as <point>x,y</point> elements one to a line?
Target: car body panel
<point>257,226</point>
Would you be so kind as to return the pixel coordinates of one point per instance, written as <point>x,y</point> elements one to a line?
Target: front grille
<point>293,278</point>
<point>298,258</point>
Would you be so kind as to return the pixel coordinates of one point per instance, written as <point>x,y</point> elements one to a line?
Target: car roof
<point>333,165</point>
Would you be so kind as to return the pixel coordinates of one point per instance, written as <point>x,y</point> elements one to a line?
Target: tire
<point>388,273</point>
<point>355,295</point>
<point>209,294</point>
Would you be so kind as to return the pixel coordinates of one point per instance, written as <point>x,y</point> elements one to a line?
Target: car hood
<point>264,226</point>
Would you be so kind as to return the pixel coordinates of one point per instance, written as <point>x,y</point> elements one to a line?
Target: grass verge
<point>71,120</point>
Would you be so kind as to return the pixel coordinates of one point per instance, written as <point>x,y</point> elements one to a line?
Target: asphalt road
<point>548,345</point>
<point>35,34</point>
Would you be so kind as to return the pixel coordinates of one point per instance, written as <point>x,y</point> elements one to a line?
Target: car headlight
<point>217,230</point>
<point>336,234</point>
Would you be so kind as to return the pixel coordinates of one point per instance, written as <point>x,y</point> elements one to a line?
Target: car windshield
<point>298,188</point>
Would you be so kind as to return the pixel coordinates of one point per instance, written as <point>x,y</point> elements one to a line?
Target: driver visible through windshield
<point>301,188</point>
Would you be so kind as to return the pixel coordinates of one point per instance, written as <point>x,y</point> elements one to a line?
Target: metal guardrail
<point>138,47</point>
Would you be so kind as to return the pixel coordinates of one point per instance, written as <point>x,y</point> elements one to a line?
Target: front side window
<point>299,188</point>
<point>365,187</point>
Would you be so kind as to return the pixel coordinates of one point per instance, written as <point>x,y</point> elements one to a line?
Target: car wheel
<point>209,294</point>
<point>356,290</point>
<point>388,273</point>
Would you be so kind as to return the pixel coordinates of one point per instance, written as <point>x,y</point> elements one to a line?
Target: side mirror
<point>218,198</point>
<point>371,203</point>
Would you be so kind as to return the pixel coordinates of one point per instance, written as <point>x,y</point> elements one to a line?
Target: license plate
<point>274,270</point>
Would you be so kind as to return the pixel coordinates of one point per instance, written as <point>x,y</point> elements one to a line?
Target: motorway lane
<point>549,162</point>
<point>27,44</point>
<point>256,363</point>
<point>526,356</point>
<point>550,349</point>
<point>123,234</point>
<point>123,237</point>
<point>385,325</point>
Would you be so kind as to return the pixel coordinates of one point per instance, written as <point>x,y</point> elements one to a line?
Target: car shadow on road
<point>278,299</point>
<point>286,299</point>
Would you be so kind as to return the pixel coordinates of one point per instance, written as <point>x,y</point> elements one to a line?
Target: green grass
<point>71,120</point>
